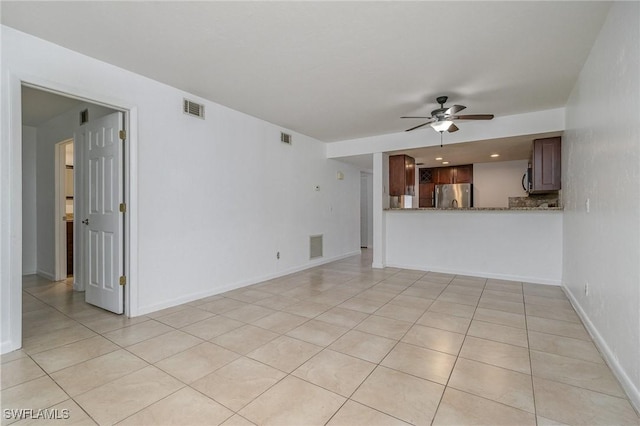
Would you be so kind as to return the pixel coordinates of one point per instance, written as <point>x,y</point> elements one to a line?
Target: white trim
<point>59,210</point>
<point>629,387</point>
<point>11,267</point>
<point>11,237</point>
<point>45,274</point>
<point>7,346</point>
<point>131,218</point>
<point>233,286</point>
<point>481,274</point>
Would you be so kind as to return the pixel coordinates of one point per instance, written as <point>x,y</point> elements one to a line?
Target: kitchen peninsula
<point>517,244</point>
<point>513,236</point>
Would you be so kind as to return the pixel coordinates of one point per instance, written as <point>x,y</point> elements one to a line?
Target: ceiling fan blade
<point>417,127</point>
<point>473,117</point>
<point>452,128</point>
<point>415,117</point>
<point>454,109</point>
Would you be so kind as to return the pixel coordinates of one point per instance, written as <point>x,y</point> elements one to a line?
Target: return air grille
<point>193,108</point>
<point>285,137</point>
<point>315,246</point>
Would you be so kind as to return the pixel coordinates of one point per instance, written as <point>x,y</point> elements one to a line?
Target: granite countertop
<point>481,209</point>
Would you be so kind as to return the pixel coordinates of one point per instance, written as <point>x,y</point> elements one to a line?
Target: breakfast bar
<point>518,244</point>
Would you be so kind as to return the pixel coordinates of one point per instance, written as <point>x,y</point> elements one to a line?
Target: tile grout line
<point>526,325</point>
<point>446,386</point>
<point>378,364</point>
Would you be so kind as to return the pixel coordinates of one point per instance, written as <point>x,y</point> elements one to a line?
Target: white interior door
<point>102,224</point>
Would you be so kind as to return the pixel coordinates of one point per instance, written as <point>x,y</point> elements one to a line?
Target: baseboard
<point>234,286</point>
<point>8,346</point>
<point>29,272</point>
<point>481,274</point>
<point>629,387</point>
<point>44,274</point>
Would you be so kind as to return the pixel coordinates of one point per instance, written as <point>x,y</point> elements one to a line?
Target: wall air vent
<point>193,108</point>
<point>315,246</point>
<point>285,137</point>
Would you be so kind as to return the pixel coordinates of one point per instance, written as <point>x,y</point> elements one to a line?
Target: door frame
<point>11,198</point>
<point>59,210</point>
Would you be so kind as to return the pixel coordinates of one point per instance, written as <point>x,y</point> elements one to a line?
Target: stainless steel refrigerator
<point>455,195</point>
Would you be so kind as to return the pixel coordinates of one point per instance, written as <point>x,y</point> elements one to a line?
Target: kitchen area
<point>497,216</point>
<point>490,182</point>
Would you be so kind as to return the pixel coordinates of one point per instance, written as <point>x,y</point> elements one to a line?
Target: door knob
<point>86,221</point>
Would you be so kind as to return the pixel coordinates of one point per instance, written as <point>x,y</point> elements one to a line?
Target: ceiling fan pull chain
<point>441,139</point>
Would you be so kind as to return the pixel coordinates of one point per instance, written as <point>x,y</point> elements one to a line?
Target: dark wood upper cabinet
<point>546,165</point>
<point>463,174</point>
<point>402,175</point>
<point>445,175</point>
<point>454,174</point>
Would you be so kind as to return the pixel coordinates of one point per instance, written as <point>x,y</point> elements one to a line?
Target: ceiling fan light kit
<point>441,126</point>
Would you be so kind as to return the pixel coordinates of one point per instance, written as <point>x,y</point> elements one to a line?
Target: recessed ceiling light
<point>495,155</point>
<point>438,158</point>
<point>445,162</point>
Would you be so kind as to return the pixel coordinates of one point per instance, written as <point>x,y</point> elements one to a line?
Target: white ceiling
<point>336,70</point>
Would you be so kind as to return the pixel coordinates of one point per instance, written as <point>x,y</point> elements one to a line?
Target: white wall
<point>601,163</point>
<point>380,202</point>
<point>511,245</point>
<point>56,130</point>
<point>195,230</point>
<point>29,239</point>
<point>495,182</point>
<point>366,209</point>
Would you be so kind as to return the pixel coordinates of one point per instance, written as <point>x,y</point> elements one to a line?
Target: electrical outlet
<point>278,255</point>
<point>586,288</point>
<point>587,205</point>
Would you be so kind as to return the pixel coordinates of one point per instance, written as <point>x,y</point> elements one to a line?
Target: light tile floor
<point>340,344</point>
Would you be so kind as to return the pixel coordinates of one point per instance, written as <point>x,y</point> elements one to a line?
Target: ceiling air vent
<point>285,137</point>
<point>194,109</point>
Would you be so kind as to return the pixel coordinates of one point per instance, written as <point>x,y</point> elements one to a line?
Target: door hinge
<point>123,134</point>
<point>123,208</point>
<point>123,280</point>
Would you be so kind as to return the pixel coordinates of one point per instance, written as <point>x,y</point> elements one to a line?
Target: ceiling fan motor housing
<point>440,113</point>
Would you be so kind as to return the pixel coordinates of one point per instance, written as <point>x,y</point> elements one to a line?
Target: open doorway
<point>60,135</point>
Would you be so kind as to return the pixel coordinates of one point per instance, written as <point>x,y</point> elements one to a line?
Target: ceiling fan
<point>441,119</point>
